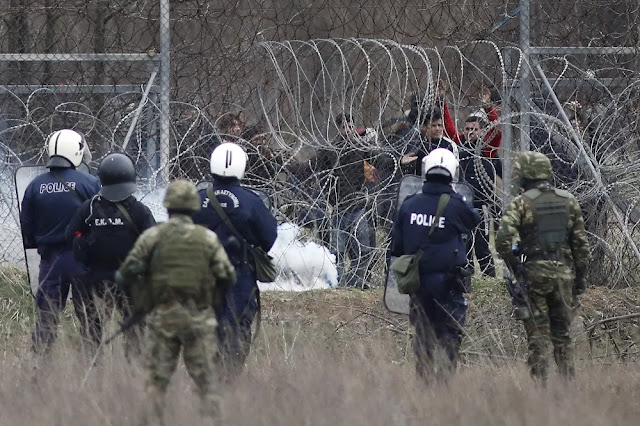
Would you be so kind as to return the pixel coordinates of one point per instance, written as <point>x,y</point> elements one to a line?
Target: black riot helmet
<point>117,175</point>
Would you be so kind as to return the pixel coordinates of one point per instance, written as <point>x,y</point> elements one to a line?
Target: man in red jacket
<point>475,124</point>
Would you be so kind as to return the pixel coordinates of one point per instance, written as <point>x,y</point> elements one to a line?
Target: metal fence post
<point>165,88</point>
<point>525,86</point>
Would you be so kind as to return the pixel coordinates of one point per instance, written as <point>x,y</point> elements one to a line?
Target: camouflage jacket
<point>177,260</point>
<point>518,220</point>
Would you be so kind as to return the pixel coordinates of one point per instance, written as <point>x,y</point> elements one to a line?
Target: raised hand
<point>485,96</point>
<point>441,90</point>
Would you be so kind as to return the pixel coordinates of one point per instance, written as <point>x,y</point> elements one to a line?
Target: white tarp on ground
<point>302,265</point>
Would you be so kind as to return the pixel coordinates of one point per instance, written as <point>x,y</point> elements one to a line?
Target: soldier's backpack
<point>180,267</point>
<point>407,267</point>
<point>550,210</point>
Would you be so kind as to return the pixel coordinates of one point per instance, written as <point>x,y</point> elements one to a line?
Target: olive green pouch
<point>406,269</point>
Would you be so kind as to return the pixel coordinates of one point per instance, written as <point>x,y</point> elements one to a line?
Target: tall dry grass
<point>307,383</point>
<point>318,361</point>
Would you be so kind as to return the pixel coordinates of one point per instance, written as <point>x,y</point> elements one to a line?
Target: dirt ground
<point>341,317</point>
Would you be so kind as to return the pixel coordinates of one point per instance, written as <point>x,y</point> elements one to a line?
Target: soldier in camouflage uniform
<point>549,225</point>
<point>185,270</point>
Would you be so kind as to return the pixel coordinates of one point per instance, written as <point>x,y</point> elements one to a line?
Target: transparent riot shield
<point>395,301</point>
<point>23,177</point>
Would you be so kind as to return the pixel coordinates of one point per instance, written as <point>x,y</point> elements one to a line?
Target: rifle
<point>126,324</point>
<point>515,278</point>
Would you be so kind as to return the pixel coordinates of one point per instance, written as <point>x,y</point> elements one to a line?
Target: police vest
<point>549,234</point>
<point>111,234</point>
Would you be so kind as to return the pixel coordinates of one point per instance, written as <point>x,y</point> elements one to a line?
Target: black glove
<point>579,286</point>
<point>461,279</point>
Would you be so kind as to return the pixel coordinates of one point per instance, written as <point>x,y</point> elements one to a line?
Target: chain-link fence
<point>286,80</point>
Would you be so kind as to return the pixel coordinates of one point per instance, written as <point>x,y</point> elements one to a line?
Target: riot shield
<point>22,178</point>
<point>395,301</point>
<point>259,192</point>
<point>465,190</point>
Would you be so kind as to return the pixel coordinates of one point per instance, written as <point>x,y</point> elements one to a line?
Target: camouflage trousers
<point>174,327</point>
<point>551,305</point>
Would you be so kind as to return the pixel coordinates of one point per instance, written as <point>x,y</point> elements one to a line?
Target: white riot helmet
<point>229,160</point>
<point>66,148</point>
<point>440,161</point>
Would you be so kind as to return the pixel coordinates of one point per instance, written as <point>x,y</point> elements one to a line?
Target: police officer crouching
<point>49,203</point>
<point>438,307</point>
<point>257,226</point>
<point>103,231</point>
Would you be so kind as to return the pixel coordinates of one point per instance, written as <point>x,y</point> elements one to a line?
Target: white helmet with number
<point>66,148</point>
<point>229,160</point>
<point>440,161</point>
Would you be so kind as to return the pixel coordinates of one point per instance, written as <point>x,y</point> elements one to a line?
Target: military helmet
<point>117,175</point>
<point>533,166</point>
<point>182,195</point>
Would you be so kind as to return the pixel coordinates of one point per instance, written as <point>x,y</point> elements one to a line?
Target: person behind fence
<point>351,163</point>
<point>396,133</point>
<point>178,269</point>
<point>429,137</point>
<point>232,128</point>
<point>430,225</point>
<point>103,231</point>
<point>478,172</point>
<point>489,114</point>
<point>243,223</point>
<point>49,203</point>
<point>554,245</point>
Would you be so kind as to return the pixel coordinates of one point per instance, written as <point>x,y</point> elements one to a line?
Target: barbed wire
<point>285,71</point>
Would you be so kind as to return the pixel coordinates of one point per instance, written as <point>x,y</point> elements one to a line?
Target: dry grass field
<point>336,357</point>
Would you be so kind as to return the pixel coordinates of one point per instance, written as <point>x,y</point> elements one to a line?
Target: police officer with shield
<point>242,222</point>
<point>433,223</point>
<point>49,203</point>
<point>555,249</point>
<point>103,231</point>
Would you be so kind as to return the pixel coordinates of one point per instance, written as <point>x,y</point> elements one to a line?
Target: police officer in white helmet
<point>49,203</point>
<point>240,219</point>
<point>433,222</point>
